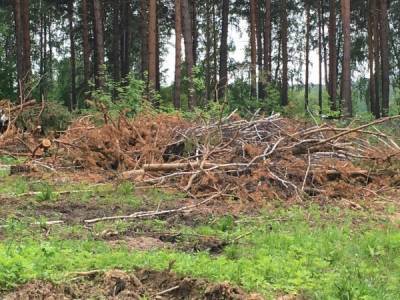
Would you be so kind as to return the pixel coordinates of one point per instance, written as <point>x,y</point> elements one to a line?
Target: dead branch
<point>144,214</point>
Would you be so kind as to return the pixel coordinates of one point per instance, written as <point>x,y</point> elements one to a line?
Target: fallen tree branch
<point>143,214</point>
<point>347,132</point>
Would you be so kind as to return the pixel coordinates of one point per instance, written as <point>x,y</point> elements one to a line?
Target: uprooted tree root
<point>116,284</point>
<point>265,157</point>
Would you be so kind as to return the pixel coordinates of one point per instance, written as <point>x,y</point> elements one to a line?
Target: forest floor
<point>227,249</point>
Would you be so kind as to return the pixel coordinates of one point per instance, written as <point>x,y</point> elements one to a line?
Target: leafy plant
<point>46,193</point>
<point>117,97</point>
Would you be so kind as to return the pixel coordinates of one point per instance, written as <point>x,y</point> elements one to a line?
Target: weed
<point>125,188</point>
<point>46,193</point>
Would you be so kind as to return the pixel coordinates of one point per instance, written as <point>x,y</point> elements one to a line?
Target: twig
<point>168,290</point>
<point>308,170</point>
<point>144,214</point>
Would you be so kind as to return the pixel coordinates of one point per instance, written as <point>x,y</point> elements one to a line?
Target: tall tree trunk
<point>188,39</point>
<point>284,26</point>
<point>26,39</point>
<point>253,47</point>
<point>73,103</point>
<point>125,36</point>
<point>208,46</point>
<point>376,43</point>
<point>195,35</point>
<point>41,46</point>
<point>178,54</point>
<point>116,45</point>
<point>50,64</point>
<point>19,46</point>
<point>259,31</point>
<point>152,45</point>
<point>214,83</point>
<point>308,29</point>
<point>332,55</point>
<point>85,42</point>
<point>158,74</point>
<point>144,21</point>
<point>320,56</point>
<point>45,73</point>
<point>384,46</point>
<point>347,102</point>
<point>223,54</point>
<point>279,58</point>
<point>374,106</point>
<point>99,42</point>
<point>324,46</point>
<point>267,45</point>
<point>23,45</point>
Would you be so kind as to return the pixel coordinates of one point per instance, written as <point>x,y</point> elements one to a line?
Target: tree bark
<point>332,55</point>
<point>208,45</point>
<point>26,39</point>
<point>267,45</point>
<point>188,39</point>
<point>308,29</point>
<point>144,21</point>
<point>376,43</point>
<point>347,101</point>
<point>374,105</point>
<point>223,54</point>
<point>73,102</point>
<point>126,15</point>
<point>284,26</point>
<point>116,44</point>
<point>195,35</point>
<point>384,47</point>
<point>253,48</point>
<point>152,44</point>
<point>99,42</point>
<point>320,56</point>
<point>178,54</point>
<point>326,77</point>
<point>19,46</point>
<point>85,42</point>
<point>260,52</point>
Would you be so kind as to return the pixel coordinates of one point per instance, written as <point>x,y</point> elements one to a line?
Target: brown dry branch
<point>263,157</point>
<point>144,214</point>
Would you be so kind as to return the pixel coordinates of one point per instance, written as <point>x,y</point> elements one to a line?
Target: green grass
<point>319,254</point>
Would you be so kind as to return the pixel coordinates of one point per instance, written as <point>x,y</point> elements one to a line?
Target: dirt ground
<point>142,284</point>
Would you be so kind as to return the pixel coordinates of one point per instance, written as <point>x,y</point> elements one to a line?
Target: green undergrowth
<point>317,253</point>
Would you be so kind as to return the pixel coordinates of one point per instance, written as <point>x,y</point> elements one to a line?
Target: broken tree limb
<point>22,106</point>
<point>143,214</point>
<point>347,132</point>
<point>167,167</point>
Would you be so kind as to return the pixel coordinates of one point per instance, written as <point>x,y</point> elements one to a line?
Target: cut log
<point>44,145</point>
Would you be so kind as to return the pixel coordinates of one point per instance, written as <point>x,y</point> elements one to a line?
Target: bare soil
<point>117,284</point>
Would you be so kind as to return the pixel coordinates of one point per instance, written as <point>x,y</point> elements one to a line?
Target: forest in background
<point>69,51</point>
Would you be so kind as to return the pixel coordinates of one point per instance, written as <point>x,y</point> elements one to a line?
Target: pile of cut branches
<point>265,157</point>
<point>11,137</point>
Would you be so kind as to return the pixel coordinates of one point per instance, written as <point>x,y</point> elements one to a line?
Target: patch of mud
<point>117,284</point>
